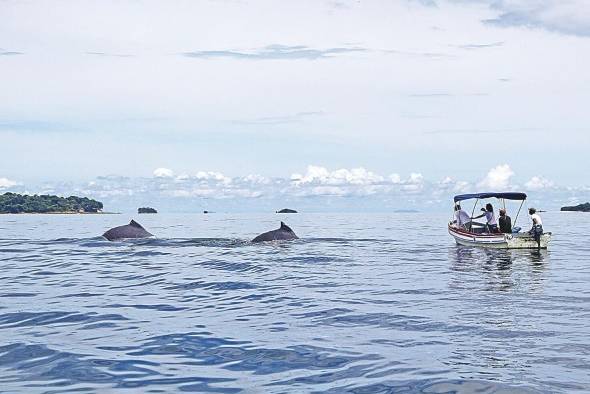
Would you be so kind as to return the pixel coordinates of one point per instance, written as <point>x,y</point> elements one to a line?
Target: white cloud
<point>212,176</point>
<point>203,177</point>
<point>415,178</point>
<point>538,183</point>
<point>395,178</point>
<point>414,184</point>
<point>446,180</point>
<point>321,175</point>
<point>462,187</point>
<point>450,185</point>
<point>498,178</point>
<point>163,173</point>
<point>5,182</point>
<point>257,179</point>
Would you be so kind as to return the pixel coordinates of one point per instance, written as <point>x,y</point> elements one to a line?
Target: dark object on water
<point>131,230</point>
<point>282,234</point>
<point>146,210</point>
<point>578,208</point>
<point>287,210</point>
<point>206,212</point>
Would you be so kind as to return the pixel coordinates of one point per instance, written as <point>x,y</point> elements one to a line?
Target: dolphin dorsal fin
<point>135,224</point>
<point>285,227</point>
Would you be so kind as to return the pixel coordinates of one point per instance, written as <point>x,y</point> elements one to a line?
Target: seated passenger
<point>505,222</point>
<point>461,217</point>
<point>491,224</point>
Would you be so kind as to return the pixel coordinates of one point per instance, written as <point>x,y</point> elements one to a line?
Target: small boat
<point>476,234</point>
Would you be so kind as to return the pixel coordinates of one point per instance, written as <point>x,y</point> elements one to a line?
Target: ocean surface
<point>362,303</point>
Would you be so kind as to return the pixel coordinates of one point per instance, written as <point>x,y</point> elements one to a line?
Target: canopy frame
<point>501,196</point>
<point>478,196</point>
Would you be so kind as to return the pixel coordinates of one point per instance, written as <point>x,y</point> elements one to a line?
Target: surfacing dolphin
<point>283,233</point>
<point>131,230</point>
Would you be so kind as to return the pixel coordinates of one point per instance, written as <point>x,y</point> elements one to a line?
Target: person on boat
<point>462,218</point>
<point>491,224</point>
<point>505,222</point>
<point>537,229</point>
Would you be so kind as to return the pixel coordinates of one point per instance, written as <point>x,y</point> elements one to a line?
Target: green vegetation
<point>22,203</point>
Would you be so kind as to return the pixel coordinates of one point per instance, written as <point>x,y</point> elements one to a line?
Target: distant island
<point>287,210</point>
<point>146,210</point>
<point>24,203</point>
<point>578,208</point>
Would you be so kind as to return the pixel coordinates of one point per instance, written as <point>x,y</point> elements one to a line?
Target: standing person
<point>491,224</point>
<point>461,217</point>
<point>537,229</point>
<point>505,222</point>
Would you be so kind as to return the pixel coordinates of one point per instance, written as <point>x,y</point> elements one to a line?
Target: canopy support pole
<point>517,213</point>
<point>474,205</point>
<point>472,212</point>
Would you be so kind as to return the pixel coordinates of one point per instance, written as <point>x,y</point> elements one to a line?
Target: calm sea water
<point>362,303</point>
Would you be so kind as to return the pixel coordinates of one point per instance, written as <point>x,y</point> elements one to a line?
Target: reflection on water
<point>501,269</point>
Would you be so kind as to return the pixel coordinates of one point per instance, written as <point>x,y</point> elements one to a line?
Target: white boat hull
<point>499,241</point>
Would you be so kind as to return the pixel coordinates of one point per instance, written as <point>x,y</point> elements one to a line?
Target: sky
<point>250,105</point>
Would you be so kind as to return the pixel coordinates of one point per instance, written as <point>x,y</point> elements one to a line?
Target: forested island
<point>287,210</point>
<point>578,208</point>
<point>146,210</point>
<point>24,203</point>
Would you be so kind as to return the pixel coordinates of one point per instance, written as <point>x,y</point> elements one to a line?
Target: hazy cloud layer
<point>107,54</point>
<point>276,52</point>
<point>481,46</point>
<point>562,16</point>
<point>9,53</point>
<point>284,119</point>
<point>425,54</point>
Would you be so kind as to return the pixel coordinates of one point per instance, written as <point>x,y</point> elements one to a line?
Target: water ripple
<point>373,303</point>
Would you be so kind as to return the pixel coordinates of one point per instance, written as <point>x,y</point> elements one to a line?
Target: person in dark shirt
<point>505,222</point>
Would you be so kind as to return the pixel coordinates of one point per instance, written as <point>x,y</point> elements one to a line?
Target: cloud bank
<point>315,189</point>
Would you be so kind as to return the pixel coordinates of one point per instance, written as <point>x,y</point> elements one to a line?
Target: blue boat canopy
<point>507,196</point>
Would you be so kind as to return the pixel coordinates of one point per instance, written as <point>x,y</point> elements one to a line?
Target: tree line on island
<point>23,203</point>
<point>45,203</point>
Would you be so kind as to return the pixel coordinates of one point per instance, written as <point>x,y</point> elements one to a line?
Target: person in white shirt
<point>461,217</point>
<point>491,224</point>
<point>537,229</point>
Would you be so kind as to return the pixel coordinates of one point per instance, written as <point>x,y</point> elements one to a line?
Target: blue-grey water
<point>373,303</point>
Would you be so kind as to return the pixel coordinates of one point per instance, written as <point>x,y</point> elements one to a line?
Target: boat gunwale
<point>468,233</point>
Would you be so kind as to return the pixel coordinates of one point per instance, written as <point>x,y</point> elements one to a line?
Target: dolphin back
<point>284,233</point>
<point>131,230</point>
